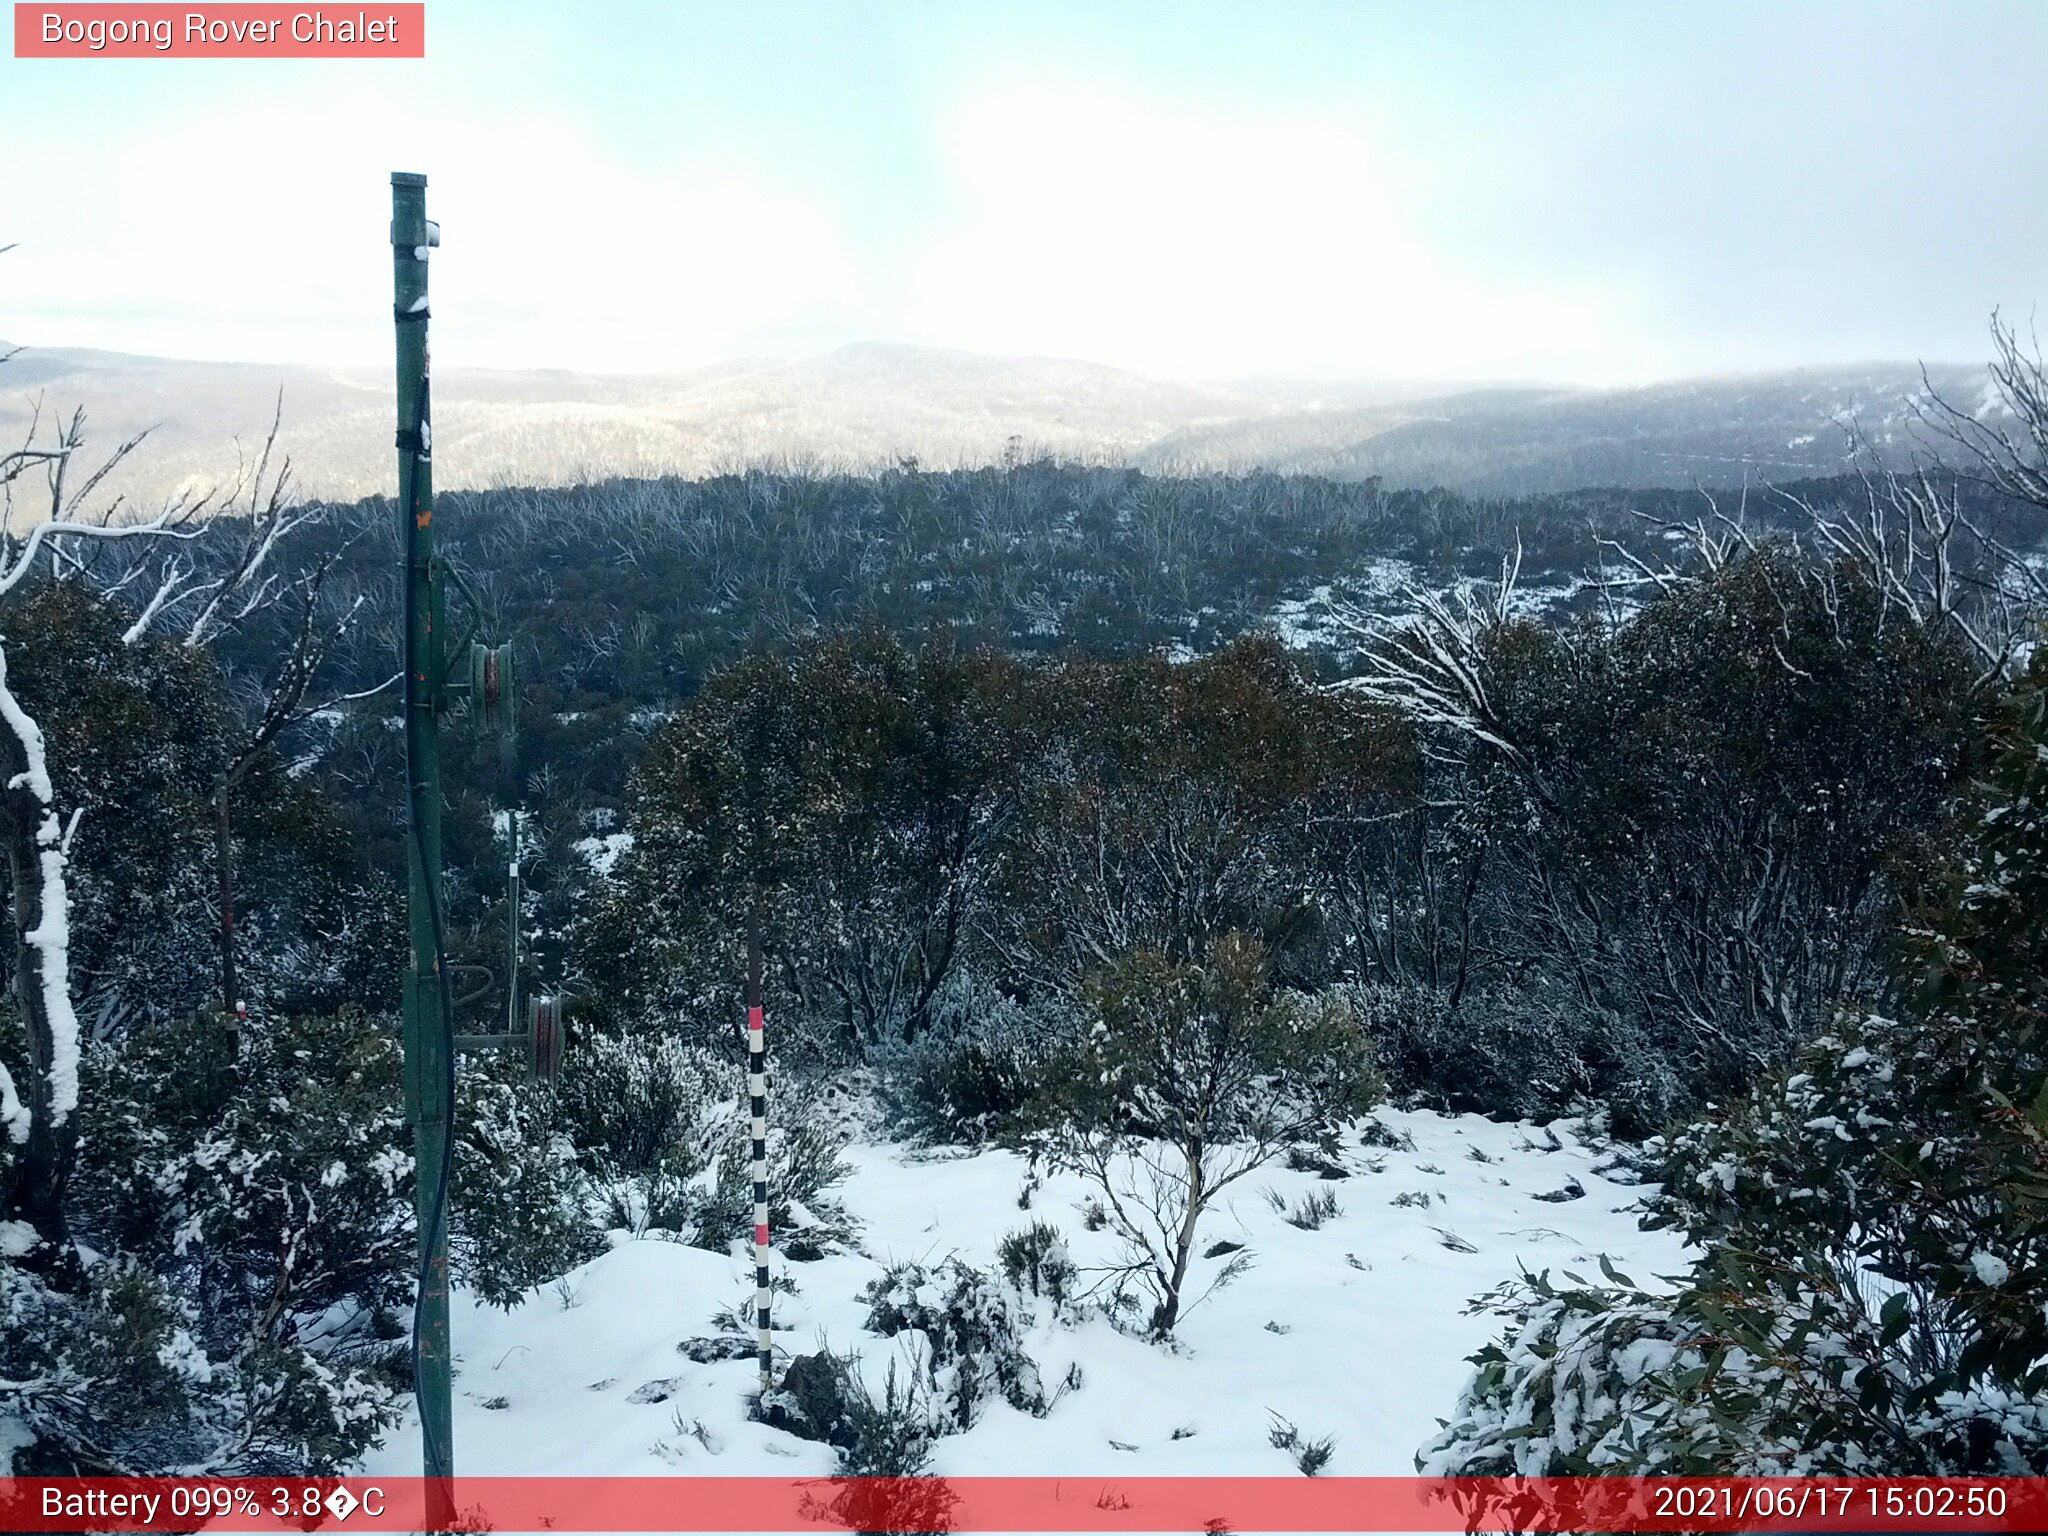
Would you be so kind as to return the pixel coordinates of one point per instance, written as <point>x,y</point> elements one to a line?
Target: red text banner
<point>1053,1504</point>
<point>114,31</point>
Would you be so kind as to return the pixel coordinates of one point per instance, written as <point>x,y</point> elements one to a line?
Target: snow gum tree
<point>849,792</point>
<point>39,1115</point>
<point>1172,803</point>
<point>1873,1220</point>
<point>1693,822</point>
<point>1194,1073</point>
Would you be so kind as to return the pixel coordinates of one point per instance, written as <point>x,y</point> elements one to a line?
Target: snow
<point>13,1113</point>
<point>16,1239</point>
<point>602,852</point>
<point>1314,622</point>
<point>1990,1268</point>
<point>51,936</point>
<point>15,1435</point>
<point>1356,1329</point>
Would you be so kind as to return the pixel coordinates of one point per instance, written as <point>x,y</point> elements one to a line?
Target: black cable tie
<point>413,441</point>
<point>421,314</point>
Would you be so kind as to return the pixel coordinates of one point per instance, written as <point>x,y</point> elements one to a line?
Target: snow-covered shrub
<point>973,1335</point>
<point>646,1116</point>
<point>111,1376</point>
<point>1509,1053</point>
<point>804,1164</point>
<point>884,1444</point>
<point>1035,1261</point>
<point>1311,1454</point>
<point>1311,1211</point>
<point>1728,1378</point>
<point>963,1078</point>
<point>246,1210</point>
<point>1874,1223</point>
<point>519,1210</point>
<point>956,1089</point>
<point>657,1203</point>
<point>660,1128</point>
<point>891,1435</point>
<point>642,1103</point>
<point>1193,1075</point>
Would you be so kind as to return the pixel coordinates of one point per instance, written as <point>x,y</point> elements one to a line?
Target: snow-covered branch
<point>1431,666</point>
<point>50,936</point>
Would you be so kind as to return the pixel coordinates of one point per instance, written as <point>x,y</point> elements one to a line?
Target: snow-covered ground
<point>1355,1330</point>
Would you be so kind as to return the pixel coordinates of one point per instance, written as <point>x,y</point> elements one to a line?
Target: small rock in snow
<point>708,1351</point>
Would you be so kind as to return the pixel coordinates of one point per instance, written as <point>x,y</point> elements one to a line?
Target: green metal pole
<point>429,1041</point>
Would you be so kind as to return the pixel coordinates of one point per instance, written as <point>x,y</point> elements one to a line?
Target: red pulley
<point>491,685</point>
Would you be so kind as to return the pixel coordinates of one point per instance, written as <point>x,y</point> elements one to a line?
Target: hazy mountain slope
<point>1706,431</point>
<point>871,405</point>
<point>855,407</point>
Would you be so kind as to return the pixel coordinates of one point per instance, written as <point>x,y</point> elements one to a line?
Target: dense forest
<point>1305,794</point>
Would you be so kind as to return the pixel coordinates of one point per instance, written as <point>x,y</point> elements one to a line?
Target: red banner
<point>1184,1504</point>
<point>101,31</point>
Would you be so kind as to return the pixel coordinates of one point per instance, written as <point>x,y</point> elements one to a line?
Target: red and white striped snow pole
<point>757,1094</point>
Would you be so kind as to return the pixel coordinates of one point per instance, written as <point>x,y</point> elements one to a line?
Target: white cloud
<point>1198,242</point>
<point>258,232</point>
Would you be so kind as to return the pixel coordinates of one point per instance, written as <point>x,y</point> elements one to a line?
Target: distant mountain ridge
<point>869,405</point>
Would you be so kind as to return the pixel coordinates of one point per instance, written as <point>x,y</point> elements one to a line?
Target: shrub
<point>804,1163</point>
<point>646,1103</point>
<point>964,1078</point>
<point>256,1225</point>
<point>1874,1224</point>
<point>1193,1075</point>
<point>956,1089</point>
<point>1311,1211</point>
<point>1311,1456</point>
<point>891,1436</point>
<point>1035,1261</point>
<point>519,1213</point>
<point>885,1448</point>
<point>1503,1054</point>
<point>973,1335</point>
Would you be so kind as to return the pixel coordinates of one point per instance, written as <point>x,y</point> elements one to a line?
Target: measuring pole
<point>757,1093</point>
<point>429,1008</point>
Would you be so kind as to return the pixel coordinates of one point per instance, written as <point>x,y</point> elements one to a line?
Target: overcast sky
<point>1598,193</point>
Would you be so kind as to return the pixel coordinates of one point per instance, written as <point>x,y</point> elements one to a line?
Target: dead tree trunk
<point>224,876</point>
<point>45,1133</point>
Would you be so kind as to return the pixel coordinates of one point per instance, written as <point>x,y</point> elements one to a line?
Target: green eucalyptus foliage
<point>1193,1075</point>
<point>250,1215</point>
<point>1874,1227</point>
